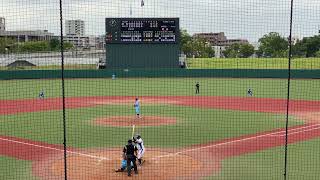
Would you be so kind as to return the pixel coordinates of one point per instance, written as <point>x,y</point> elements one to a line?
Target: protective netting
<point>206,89</point>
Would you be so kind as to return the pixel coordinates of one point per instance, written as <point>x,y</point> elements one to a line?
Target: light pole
<point>154,9</point>
<point>130,8</point>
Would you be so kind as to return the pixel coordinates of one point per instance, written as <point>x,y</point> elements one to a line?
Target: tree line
<point>274,45</point>
<point>271,45</point>
<point>10,45</point>
<point>195,47</point>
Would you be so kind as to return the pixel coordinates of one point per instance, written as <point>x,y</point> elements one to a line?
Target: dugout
<point>133,43</point>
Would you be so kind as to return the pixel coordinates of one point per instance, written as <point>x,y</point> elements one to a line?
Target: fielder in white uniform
<point>41,94</point>
<point>249,92</point>
<point>141,149</point>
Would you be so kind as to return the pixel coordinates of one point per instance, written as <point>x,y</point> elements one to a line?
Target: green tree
<point>195,47</point>
<point>246,50</point>
<point>307,47</point>
<point>7,45</point>
<point>232,51</point>
<point>34,46</point>
<point>209,51</point>
<point>201,48</point>
<point>239,51</point>
<point>67,46</point>
<point>185,42</point>
<point>185,37</point>
<point>54,44</point>
<point>312,46</point>
<point>299,49</point>
<point>272,45</point>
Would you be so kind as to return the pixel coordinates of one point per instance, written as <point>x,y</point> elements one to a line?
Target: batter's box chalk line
<point>56,149</point>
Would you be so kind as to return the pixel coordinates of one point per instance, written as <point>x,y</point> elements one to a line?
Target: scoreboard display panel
<point>142,30</point>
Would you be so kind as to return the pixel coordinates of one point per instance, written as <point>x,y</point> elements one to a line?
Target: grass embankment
<point>253,63</point>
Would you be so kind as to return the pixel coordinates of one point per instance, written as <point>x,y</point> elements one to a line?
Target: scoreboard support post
<point>142,43</point>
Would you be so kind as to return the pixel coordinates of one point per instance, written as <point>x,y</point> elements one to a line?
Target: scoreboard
<point>140,43</point>
<point>142,30</point>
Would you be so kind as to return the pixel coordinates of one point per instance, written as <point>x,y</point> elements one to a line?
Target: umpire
<point>131,150</point>
<point>197,88</point>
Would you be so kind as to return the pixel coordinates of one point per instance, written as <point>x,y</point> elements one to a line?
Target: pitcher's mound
<point>128,121</point>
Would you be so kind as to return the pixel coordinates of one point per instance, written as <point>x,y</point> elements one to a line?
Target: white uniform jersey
<point>140,147</point>
<point>139,143</point>
<point>137,104</point>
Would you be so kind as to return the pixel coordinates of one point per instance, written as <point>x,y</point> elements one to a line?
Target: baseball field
<point>220,134</point>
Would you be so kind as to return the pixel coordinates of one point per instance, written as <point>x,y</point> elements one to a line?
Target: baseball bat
<point>133,127</point>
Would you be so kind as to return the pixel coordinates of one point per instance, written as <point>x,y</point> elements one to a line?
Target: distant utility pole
<point>131,8</point>
<point>119,9</point>
<point>154,8</point>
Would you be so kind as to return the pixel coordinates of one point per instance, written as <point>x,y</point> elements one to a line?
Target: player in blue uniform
<point>123,164</point>
<point>137,107</point>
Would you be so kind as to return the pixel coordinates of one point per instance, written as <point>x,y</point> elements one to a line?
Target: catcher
<point>123,164</point>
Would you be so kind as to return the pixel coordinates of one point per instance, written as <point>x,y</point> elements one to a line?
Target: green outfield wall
<point>159,73</point>
<point>128,56</point>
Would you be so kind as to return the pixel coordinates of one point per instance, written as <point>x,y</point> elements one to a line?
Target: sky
<point>245,19</point>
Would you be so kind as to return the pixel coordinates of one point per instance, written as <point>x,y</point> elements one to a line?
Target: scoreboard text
<point>142,30</point>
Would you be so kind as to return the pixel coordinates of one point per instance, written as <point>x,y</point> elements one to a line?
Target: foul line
<point>234,141</point>
<point>181,152</point>
<point>56,149</point>
<point>298,130</point>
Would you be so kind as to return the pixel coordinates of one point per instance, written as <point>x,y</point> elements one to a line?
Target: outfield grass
<point>11,168</point>
<point>303,163</point>
<point>271,88</point>
<point>252,63</point>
